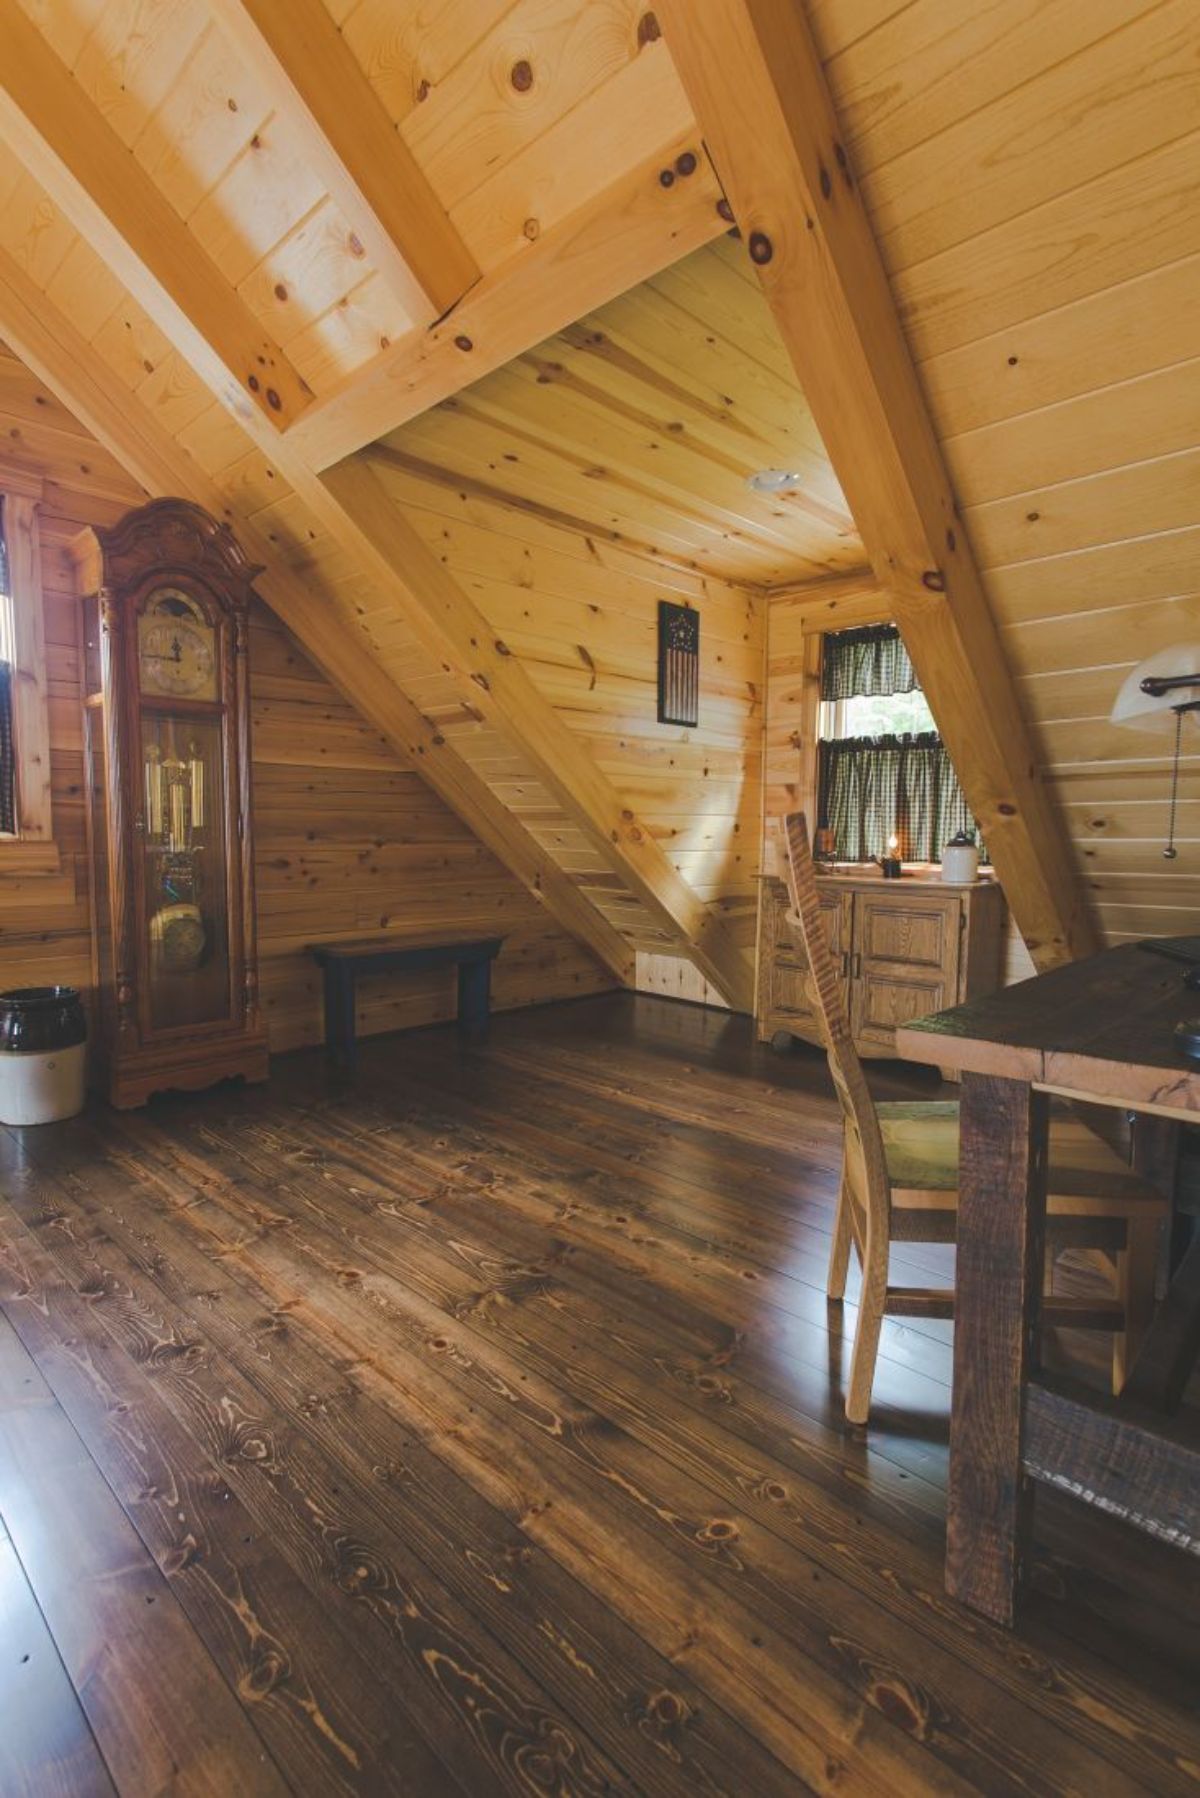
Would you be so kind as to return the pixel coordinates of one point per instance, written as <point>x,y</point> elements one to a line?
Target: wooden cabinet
<point>904,948</point>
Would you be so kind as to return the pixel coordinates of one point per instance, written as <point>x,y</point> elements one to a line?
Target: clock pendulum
<point>174,819</point>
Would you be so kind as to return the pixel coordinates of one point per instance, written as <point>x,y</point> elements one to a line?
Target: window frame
<point>32,849</point>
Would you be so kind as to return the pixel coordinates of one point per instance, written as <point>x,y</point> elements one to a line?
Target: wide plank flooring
<point>473,1424</point>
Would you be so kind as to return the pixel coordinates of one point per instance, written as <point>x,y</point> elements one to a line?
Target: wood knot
<point>502,649</point>
<point>252,383</point>
<point>721,1529</point>
<point>280,291</point>
<point>685,164</point>
<point>648,31</point>
<point>934,579</point>
<point>1006,810</point>
<point>826,182</point>
<point>761,248</point>
<point>666,177</point>
<point>273,400</point>
<point>725,210</point>
<point>668,1708</point>
<point>521,76</point>
<point>463,342</point>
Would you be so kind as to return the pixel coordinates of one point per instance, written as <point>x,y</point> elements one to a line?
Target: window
<point>883,770</point>
<point>8,753</point>
<point>26,831</point>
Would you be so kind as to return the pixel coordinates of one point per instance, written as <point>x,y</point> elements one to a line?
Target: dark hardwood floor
<point>474,1424</point>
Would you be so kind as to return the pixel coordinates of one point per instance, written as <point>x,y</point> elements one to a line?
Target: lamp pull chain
<point>1170,852</point>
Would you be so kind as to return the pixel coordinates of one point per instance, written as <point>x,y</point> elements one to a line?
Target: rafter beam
<point>630,232</point>
<point>756,84</point>
<point>310,74</point>
<point>48,343</point>
<point>355,508</point>
<point>75,155</point>
<point>452,627</point>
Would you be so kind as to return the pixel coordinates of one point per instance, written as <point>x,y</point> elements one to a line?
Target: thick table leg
<point>1001,1230</point>
<point>339,1013</point>
<point>474,999</point>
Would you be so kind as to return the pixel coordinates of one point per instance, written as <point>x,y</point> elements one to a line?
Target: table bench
<point>342,963</point>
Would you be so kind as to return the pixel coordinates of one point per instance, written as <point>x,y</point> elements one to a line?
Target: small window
<point>26,826</point>
<point>8,748</point>
<point>883,770</point>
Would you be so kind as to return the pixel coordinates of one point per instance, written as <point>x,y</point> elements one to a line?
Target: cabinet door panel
<point>882,1001</point>
<point>835,910</point>
<point>919,935</point>
<point>783,1001</point>
<point>787,990</point>
<point>905,962</point>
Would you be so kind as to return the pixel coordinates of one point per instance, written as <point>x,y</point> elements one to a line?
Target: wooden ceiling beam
<point>453,628</point>
<point>48,343</point>
<point>631,231</point>
<point>756,84</point>
<point>355,508</point>
<point>77,158</point>
<point>308,71</point>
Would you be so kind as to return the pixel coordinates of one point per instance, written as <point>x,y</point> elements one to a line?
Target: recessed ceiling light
<point>773,480</point>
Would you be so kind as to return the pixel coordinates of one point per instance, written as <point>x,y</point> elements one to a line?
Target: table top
<point>397,943</point>
<point>1101,1028</point>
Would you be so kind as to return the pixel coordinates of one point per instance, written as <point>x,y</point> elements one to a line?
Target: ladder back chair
<point>900,1180</point>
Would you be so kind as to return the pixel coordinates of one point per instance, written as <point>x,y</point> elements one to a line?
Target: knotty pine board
<point>348,839</point>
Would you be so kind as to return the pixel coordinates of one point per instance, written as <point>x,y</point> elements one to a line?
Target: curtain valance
<point>869,661</point>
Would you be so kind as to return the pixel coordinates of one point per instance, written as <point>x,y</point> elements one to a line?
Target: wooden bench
<point>344,962</point>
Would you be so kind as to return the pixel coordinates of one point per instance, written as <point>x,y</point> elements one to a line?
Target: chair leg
<point>1136,1270</point>
<point>839,1255</point>
<point>871,1302</point>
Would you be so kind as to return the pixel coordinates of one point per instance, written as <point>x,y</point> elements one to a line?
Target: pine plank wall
<point>348,840</point>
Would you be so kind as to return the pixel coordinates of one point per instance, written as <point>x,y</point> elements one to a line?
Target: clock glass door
<point>185,875</point>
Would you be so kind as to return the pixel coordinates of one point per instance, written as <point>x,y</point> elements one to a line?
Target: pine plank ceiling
<point>643,421</point>
<point>1031,173</point>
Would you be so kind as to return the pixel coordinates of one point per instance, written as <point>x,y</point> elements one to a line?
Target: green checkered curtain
<point>874,787</point>
<point>870,661</point>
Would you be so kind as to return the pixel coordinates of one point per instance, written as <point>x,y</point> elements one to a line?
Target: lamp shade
<point>1148,711</point>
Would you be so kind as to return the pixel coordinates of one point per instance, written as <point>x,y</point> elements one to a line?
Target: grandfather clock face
<point>177,655</point>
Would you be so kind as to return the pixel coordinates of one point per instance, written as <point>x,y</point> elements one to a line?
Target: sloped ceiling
<point>1030,169</point>
<point>643,422</point>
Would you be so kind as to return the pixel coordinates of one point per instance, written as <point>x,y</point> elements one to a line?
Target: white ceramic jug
<point>960,860</point>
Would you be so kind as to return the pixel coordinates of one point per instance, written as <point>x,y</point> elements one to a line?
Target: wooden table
<point>1098,1030</point>
<point>343,963</point>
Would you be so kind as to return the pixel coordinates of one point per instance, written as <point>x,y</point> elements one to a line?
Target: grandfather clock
<point>167,747</point>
